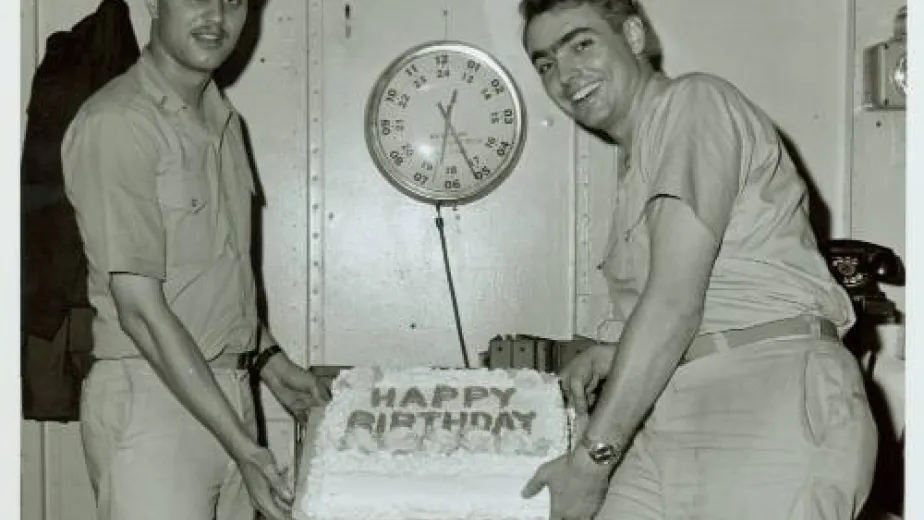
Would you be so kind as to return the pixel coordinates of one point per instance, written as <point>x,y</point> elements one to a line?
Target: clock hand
<point>452,102</point>
<point>455,136</point>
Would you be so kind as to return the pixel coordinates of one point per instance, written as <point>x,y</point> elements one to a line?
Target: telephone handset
<point>859,267</point>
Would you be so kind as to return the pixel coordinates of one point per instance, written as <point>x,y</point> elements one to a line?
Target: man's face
<point>587,67</point>
<point>199,34</point>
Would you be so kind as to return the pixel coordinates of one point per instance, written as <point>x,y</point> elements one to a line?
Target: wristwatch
<point>260,360</point>
<point>603,453</point>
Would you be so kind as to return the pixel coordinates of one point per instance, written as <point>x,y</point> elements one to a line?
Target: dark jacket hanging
<point>55,313</point>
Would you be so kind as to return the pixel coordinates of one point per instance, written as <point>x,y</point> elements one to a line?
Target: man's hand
<point>580,378</point>
<point>269,492</point>
<point>297,389</point>
<point>577,487</point>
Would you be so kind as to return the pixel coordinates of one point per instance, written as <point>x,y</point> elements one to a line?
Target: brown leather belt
<point>800,326</point>
<point>236,361</point>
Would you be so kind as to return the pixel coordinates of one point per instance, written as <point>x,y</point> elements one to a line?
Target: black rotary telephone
<point>859,267</point>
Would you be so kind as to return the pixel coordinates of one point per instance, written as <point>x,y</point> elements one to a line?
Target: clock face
<point>445,123</point>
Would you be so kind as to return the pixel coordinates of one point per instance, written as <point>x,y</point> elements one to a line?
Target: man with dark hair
<point>727,393</point>
<point>156,169</point>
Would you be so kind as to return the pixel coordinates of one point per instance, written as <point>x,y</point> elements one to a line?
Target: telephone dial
<point>859,267</point>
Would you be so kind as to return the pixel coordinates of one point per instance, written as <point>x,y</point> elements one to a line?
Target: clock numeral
<point>506,116</point>
<point>427,165</point>
<point>420,178</point>
<point>453,184</point>
<point>387,126</point>
<point>443,73</point>
<point>482,173</point>
<point>468,77</point>
<point>407,150</point>
<point>392,97</point>
<point>420,81</point>
<point>473,65</point>
<point>451,170</point>
<point>502,146</point>
<point>396,157</point>
<point>411,70</point>
<point>497,86</point>
<point>442,60</point>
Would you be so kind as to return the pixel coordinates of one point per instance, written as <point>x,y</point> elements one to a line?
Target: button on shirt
<point>703,143</point>
<point>160,194</point>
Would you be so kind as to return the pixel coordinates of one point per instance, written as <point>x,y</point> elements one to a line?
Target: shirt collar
<point>156,84</point>
<point>651,96</point>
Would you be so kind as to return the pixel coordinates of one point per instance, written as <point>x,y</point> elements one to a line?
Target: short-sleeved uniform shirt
<point>702,142</point>
<point>158,193</point>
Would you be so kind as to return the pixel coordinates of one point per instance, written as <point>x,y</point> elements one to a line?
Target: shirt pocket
<point>184,200</point>
<point>627,259</point>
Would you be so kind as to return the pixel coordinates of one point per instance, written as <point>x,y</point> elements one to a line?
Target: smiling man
<point>727,392</point>
<point>156,169</point>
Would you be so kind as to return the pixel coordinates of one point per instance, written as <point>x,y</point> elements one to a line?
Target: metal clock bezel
<point>379,157</point>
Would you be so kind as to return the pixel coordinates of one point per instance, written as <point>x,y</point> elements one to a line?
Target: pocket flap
<point>181,191</point>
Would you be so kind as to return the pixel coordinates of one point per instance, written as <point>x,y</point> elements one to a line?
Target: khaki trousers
<point>778,430</point>
<point>148,458</point>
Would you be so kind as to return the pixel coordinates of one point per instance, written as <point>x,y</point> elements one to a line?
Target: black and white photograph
<point>463,260</point>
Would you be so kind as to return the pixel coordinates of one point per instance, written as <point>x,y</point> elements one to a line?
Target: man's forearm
<point>176,359</point>
<point>651,346</point>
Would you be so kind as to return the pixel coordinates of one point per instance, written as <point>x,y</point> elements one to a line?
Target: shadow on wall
<point>819,214</point>
<point>238,61</point>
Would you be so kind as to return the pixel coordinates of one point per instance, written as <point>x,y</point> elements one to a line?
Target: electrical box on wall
<point>885,70</point>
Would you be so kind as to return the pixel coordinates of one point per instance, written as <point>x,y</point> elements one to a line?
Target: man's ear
<point>634,30</point>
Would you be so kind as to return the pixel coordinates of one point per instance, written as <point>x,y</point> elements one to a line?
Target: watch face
<point>445,122</point>
<point>601,452</point>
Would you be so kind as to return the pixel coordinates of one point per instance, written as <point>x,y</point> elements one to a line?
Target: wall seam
<point>846,220</point>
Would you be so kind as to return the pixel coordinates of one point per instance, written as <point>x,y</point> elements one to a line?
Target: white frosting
<point>402,443</point>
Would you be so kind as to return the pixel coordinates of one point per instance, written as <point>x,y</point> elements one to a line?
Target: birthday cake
<point>432,444</point>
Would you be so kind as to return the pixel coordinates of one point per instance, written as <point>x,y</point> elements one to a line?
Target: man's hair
<point>613,11</point>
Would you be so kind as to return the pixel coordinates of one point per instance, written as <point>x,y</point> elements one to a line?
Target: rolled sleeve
<point>110,163</point>
<point>698,152</point>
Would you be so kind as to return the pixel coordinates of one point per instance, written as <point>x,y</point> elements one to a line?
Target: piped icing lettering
<point>387,400</point>
<point>442,407</point>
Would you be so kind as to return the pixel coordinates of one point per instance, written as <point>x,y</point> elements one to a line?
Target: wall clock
<point>445,123</point>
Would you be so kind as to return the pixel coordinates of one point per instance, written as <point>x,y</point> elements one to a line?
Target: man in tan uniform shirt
<point>728,394</point>
<point>156,169</point>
